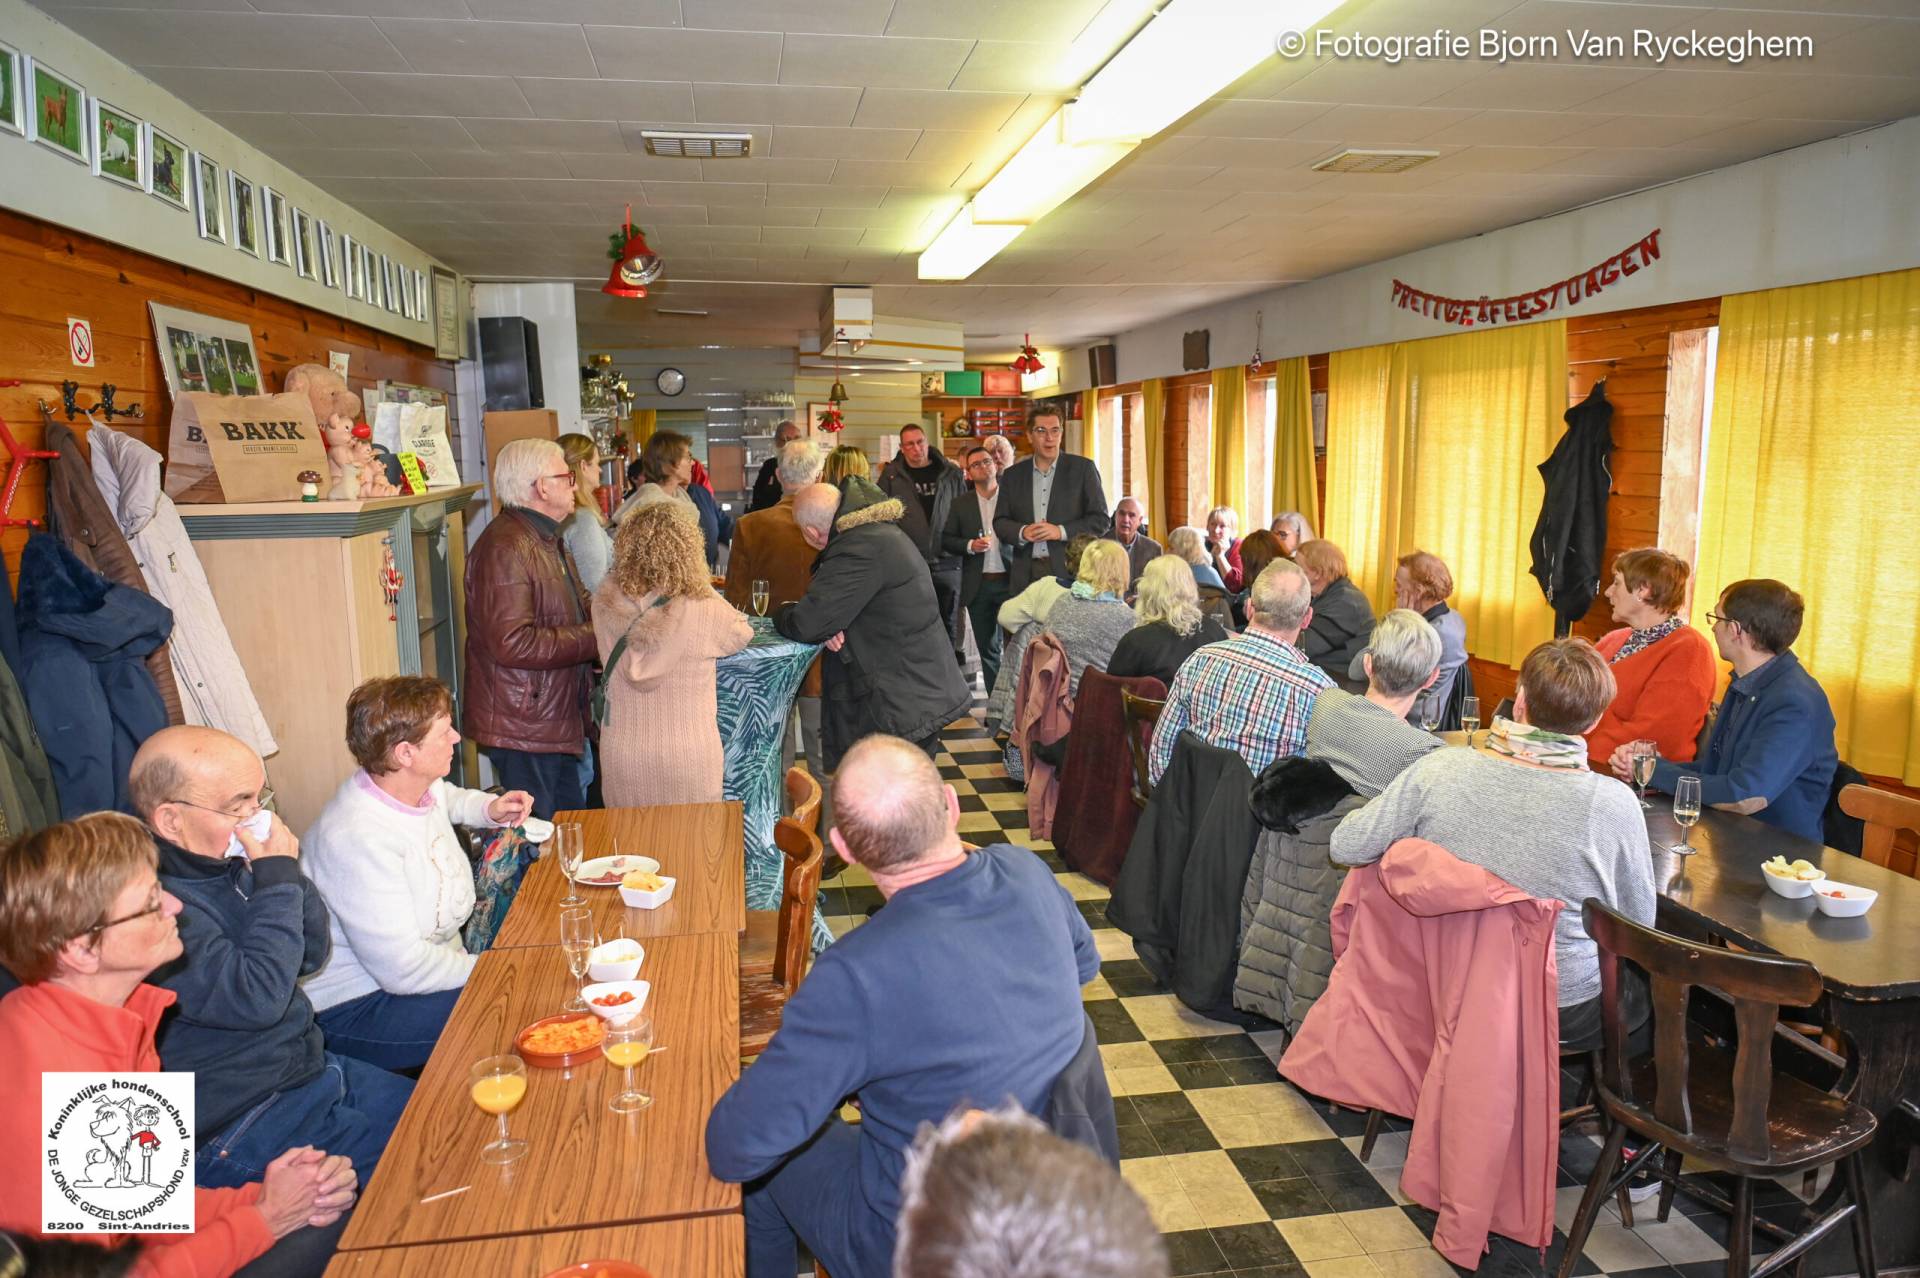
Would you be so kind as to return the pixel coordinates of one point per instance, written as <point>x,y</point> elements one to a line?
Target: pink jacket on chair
<point>1443,1007</point>
<point>1044,715</point>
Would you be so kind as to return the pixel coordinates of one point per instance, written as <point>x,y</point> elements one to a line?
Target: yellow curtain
<point>1090,425</point>
<point>1813,478</point>
<point>1229,403</point>
<point>640,426</point>
<point>1294,486</point>
<point>1153,418</point>
<point>1435,445</point>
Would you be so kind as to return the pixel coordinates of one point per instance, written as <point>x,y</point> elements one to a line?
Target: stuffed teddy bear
<point>349,455</point>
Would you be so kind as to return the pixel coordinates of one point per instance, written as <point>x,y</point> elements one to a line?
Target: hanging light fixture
<point>634,264</point>
<point>1029,361</point>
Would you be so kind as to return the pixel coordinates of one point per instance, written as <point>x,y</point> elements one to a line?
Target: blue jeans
<point>554,780</point>
<point>393,1031</point>
<point>349,1108</point>
<point>815,1195</point>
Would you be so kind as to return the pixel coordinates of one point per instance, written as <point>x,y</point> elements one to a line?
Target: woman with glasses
<point>83,920</point>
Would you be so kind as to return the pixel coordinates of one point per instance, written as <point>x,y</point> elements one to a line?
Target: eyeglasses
<point>1716,618</point>
<point>569,477</point>
<point>262,800</point>
<point>155,904</point>
<point>1048,431</point>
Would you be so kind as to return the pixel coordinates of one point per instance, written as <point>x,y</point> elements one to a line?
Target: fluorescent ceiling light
<point>965,246</point>
<point>1044,174</point>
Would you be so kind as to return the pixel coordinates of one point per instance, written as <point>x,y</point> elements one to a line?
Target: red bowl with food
<point>600,1269</point>
<point>561,1042</point>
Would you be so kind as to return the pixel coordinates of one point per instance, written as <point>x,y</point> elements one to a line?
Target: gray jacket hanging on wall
<point>1571,535</point>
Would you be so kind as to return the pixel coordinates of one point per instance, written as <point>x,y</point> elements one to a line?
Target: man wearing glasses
<point>1049,499</point>
<point>251,925</point>
<point>530,644</point>
<point>983,566</point>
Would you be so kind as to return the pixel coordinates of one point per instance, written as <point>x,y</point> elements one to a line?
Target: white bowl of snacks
<point>617,960</point>
<point>1843,900</point>
<point>616,1001</point>
<point>1794,880</point>
<point>646,890</point>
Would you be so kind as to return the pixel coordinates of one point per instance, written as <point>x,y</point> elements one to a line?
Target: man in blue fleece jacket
<point>964,990</point>
<point>251,925</point>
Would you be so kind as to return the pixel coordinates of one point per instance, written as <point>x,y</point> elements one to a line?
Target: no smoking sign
<point>80,342</point>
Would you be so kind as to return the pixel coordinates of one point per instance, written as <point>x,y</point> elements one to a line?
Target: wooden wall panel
<point>52,273</point>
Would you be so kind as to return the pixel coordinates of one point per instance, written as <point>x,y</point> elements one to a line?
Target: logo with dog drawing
<point>117,1153</point>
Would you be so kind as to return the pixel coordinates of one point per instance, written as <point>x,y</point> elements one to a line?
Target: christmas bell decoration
<point>634,264</point>
<point>831,421</point>
<point>1029,361</point>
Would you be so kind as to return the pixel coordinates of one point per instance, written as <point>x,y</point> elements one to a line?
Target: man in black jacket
<point>1046,501</point>
<point>928,485</point>
<point>872,603</point>
<point>983,566</point>
<point>766,489</point>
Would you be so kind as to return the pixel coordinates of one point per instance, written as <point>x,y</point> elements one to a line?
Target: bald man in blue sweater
<point>964,990</point>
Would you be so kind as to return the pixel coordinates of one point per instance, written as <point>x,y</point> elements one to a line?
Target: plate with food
<point>600,1269</point>
<point>607,871</point>
<point>1792,879</point>
<point>560,1042</point>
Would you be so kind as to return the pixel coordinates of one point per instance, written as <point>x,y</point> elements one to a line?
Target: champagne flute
<point>498,1084</point>
<point>571,844</point>
<point>762,592</point>
<point>1686,810</point>
<point>1643,755</point>
<point>1429,714</point>
<point>576,940</point>
<point>1470,716</point>
<point>626,1045</point>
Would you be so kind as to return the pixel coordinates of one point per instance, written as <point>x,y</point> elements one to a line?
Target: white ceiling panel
<point>488,164</point>
<point>576,98</point>
<point>198,39</point>
<point>546,135</point>
<point>619,13</point>
<point>814,143</point>
<point>438,47</point>
<point>1008,67</point>
<point>935,109</point>
<point>868,61</point>
<point>782,104</point>
<point>239,89</point>
<point>828,17</point>
<point>656,53</point>
<point>378,131</point>
<point>392,93</point>
<point>1059,20</point>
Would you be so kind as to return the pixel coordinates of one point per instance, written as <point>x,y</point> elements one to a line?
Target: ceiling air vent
<point>1352,160</point>
<point>698,146</point>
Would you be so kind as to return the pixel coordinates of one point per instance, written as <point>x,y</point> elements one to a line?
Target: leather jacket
<point>530,644</point>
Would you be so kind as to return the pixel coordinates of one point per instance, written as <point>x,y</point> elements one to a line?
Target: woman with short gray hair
<point>1292,528</point>
<point>1367,739</point>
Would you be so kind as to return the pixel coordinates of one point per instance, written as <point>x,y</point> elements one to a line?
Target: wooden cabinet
<point>300,586</point>
<point>502,428</point>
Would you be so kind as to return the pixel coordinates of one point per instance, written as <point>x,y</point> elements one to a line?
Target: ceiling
<point>504,137</point>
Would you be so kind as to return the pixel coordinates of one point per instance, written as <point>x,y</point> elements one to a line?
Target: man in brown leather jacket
<point>530,644</point>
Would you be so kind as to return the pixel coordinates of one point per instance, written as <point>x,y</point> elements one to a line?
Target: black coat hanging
<point>1571,534</point>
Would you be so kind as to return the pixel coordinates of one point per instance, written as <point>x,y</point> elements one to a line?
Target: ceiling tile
<point>829,17</point>
<point>628,164</point>
<point>1763,137</point>
<point>883,218</point>
<point>867,61</point>
<point>418,132</point>
<point>935,109</point>
<point>711,235</point>
<point>368,8</point>
<point>613,13</point>
<point>1233,118</point>
<point>705,192</point>
<point>781,104</point>
<point>1856,98</point>
<point>480,164</point>
<point>319,162</point>
<point>1644,130</point>
<point>196,39</point>
<point>1008,67</point>
<point>505,48</point>
<point>761,168</point>
<point>265,129</point>
<point>1128,176</point>
<point>1378,126</point>
<point>237,89</point>
<point>1683,92</point>
<point>843,144</point>
<point>935,177</point>
<point>842,235</point>
<point>1519,128</point>
<point>1366,83</point>
<point>724,57</point>
<point>827,197</point>
<point>1539,87</point>
<point>585,99</point>
<point>415,94</point>
<point>546,135</point>
<point>1886,48</point>
<point>1056,20</point>
<point>751,215</point>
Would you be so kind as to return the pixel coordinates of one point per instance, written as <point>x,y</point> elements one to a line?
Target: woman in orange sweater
<point>1663,667</point>
<point>83,920</point>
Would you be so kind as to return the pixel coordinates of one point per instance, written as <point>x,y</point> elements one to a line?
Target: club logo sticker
<point>116,1153</point>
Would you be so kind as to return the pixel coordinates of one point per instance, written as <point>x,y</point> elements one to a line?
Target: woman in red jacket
<point>83,920</point>
<point>1664,668</point>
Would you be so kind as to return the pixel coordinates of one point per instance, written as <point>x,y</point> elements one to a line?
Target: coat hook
<point>69,395</point>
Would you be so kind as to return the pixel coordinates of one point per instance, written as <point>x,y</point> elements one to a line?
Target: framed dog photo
<point>422,304</point>
<point>306,262</point>
<point>13,116</point>
<point>167,164</point>
<point>353,276</point>
<point>56,111</point>
<point>279,241</point>
<point>119,146</point>
<point>209,208</point>
<point>246,218</point>
<point>329,264</point>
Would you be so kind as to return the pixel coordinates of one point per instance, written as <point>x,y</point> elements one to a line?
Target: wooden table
<point>695,1245</point>
<point>698,844</point>
<point>587,1167</point>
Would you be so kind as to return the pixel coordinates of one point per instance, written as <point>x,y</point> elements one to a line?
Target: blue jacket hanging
<point>83,647</point>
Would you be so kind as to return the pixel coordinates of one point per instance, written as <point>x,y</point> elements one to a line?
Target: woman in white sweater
<point>394,876</point>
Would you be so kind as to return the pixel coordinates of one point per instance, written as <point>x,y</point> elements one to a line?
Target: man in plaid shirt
<point>1253,693</point>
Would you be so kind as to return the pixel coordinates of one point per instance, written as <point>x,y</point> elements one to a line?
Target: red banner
<point>1529,306</point>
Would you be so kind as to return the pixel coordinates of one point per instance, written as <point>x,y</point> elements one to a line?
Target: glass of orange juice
<point>626,1045</point>
<point>498,1084</point>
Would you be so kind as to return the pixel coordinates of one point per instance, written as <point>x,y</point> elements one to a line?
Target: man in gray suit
<point>1047,500</point>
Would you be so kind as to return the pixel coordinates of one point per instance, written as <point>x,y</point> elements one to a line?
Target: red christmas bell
<point>634,264</point>
<point>1029,361</point>
<point>831,421</point>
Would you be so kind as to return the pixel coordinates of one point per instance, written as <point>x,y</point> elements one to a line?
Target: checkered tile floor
<point>1244,1173</point>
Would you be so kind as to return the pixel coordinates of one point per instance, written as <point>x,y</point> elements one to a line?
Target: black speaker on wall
<point>510,363</point>
<point>1102,365</point>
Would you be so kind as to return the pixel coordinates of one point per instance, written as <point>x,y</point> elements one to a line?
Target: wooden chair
<point>1140,713</point>
<point>763,996</point>
<point>1737,1115</point>
<point>803,799</point>
<point>1886,815</point>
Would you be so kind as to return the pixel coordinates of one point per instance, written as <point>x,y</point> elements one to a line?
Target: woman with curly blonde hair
<point>661,628</point>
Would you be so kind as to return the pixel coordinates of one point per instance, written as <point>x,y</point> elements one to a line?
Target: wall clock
<point>671,381</point>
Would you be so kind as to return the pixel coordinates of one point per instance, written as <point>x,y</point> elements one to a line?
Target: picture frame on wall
<point>279,240</point>
<point>13,118</point>
<point>329,263</point>
<point>119,146</point>
<point>390,283</point>
<point>352,274</point>
<point>209,208</point>
<point>56,111</point>
<point>246,215</point>
<point>168,165</point>
<point>370,275</point>
<point>422,305</point>
<point>446,315</point>
<point>306,258</point>
<point>204,353</point>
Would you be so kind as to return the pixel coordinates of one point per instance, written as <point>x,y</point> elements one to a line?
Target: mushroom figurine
<point>309,485</point>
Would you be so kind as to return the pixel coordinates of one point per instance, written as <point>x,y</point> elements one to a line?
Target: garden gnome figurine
<point>334,409</point>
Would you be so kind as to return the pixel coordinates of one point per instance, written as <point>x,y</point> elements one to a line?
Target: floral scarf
<point>1081,590</point>
<point>1640,639</point>
<point>1537,745</point>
